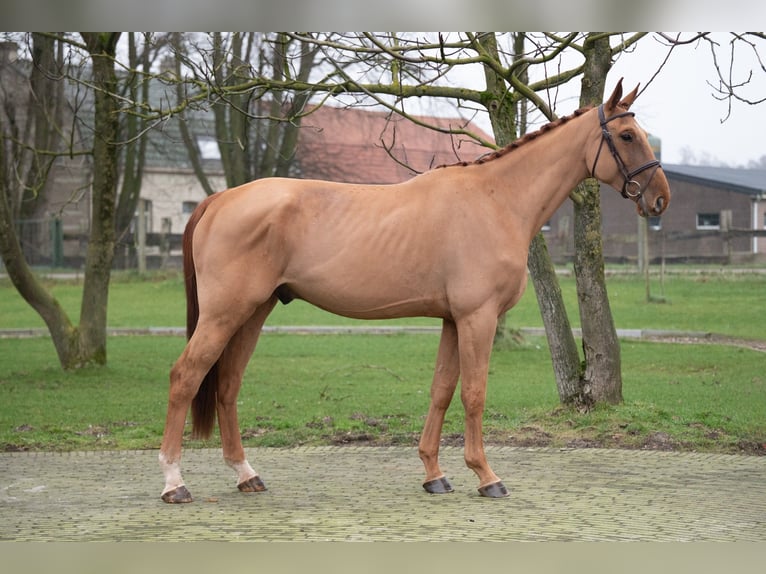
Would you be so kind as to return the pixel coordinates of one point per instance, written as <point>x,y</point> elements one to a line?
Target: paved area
<point>367,493</point>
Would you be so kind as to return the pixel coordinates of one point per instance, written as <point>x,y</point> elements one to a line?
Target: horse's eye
<point>626,137</point>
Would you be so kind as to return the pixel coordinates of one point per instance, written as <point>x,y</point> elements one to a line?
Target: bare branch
<point>733,77</point>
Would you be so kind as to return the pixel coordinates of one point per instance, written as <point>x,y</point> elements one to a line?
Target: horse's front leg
<point>445,379</point>
<point>475,333</point>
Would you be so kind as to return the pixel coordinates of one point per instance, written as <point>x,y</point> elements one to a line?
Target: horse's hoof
<point>177,495</point>
<point>438,486</point>
<point>494,490</point>
<point>254,484</point>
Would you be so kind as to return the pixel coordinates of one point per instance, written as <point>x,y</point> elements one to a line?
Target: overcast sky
<point>679,106</point>
<point>680,109</point>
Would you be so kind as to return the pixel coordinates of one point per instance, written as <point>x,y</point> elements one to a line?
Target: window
<point>187,207</point>
<point>147,216</point>
<point>708,221</point>
<point>208,148</point>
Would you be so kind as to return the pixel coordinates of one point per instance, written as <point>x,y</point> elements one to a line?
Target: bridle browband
<point>630,188</point>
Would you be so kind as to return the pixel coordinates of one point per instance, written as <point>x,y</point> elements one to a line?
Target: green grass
<point>375,389</point>
<point>697,397</point>
<point>307,390</point>
<point>713,302</point>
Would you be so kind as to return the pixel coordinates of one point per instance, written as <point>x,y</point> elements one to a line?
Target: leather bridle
<point>631,189</point>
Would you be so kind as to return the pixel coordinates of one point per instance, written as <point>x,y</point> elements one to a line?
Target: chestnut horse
<point>450,243</point>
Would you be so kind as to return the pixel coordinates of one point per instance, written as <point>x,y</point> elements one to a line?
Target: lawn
<point>374,389</point>
<point>714,302</point>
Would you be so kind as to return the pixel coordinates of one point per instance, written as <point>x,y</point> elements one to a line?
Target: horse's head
<point>630,166</point>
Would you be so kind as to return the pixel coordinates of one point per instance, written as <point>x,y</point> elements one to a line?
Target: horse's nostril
<point>659,205</point>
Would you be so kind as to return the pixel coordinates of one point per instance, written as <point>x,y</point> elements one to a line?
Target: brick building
<point>711,213</point>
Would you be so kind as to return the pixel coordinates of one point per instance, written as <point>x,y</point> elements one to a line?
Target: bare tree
<point>737,63</point>
<point>86,343</point>
<point>601,379</point>
<point>256,131</point>
<point>31,105</point>
<point>135,94</point>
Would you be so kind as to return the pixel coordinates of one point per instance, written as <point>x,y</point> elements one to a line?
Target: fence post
<point>141,239</point>
<point>57,243</point>
<point>643,254</point>
<point>725,232</point>
<point>165,241</point>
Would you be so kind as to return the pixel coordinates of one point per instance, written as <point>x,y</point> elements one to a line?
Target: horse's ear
<point>627,101</point>
<point>614,99</point>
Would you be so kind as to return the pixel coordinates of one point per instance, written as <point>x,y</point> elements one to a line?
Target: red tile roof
<point>349,145</point>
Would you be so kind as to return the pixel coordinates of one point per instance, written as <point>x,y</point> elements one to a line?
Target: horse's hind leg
<point>231,368</point>
<point>442,389</point>
<point>199,355</point>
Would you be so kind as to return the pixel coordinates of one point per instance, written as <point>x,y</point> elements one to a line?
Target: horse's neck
<point>542,172</point>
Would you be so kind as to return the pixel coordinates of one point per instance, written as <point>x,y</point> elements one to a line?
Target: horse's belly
<point>380,301</point>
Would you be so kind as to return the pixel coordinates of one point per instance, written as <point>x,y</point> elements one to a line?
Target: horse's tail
<point>203,404</point>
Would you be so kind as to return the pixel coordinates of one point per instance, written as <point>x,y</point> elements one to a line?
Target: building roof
<point>356,145</point>
<point>349,144</point>
<point>741,180</point>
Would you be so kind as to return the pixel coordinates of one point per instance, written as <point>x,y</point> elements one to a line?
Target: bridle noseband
<point>630,188</point>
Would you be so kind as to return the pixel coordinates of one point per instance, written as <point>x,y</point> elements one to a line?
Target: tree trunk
<point>561,342</point>
<point>502,116</point>
<point>98,259</point>
<point>41,109</point>
<point>252,148</point>
<point>599,378</point>
<point>563,348</point>
<point>87,344</point>
<point>192,147</point>
<point>236,105</point>
<point>291,129</point>
<point>134,157</point>
<point>602,380</point>
<point>62,332</point>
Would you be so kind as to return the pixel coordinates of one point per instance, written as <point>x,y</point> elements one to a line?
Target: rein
<point>631,189</point>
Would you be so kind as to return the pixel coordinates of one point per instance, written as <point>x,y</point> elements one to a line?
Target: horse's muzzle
<point>656,208</point>
<point>659,205</point>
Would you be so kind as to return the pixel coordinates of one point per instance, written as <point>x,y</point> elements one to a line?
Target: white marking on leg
<point>243,469</point>
<point>172,472</point>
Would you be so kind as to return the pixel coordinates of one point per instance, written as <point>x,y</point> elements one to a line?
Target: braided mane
<point>519,142</point>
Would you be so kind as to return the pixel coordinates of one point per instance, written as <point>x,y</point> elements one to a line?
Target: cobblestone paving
<point>364,493</point>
